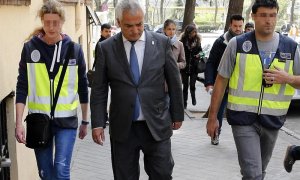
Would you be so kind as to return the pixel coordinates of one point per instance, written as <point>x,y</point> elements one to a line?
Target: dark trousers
<point>158,160</point>
<point>221,110</point>
<point>188,80</point>
<point>296,153</point>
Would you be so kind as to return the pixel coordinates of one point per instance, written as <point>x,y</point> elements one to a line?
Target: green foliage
<point>283,5</point>
<point>204,17</point>
<point>205,22</point>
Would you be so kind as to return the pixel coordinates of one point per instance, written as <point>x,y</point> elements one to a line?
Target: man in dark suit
<point>137,64</point>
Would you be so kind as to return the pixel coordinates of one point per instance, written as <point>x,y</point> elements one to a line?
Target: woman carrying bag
<point>48,57</point>
<point>192,48</point>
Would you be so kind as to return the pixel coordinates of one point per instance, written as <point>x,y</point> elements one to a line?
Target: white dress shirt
<point>139,49</point>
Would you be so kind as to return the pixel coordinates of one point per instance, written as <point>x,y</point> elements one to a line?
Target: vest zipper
<point>261,96</point>
<point>56,57</point>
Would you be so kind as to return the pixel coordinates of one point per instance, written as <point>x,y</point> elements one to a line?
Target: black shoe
<point>200,79</point>
<point>194,102</point>
<point>288,159</point>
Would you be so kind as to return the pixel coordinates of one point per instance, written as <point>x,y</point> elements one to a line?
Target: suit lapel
<point>121,56</point>
<point>149,52</point>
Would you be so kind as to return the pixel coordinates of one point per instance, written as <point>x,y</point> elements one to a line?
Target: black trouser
<point>188,80</point>
<point>296,153</point>
<point>158,160</point>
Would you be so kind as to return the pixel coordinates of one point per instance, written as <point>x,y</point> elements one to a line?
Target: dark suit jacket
<point>112,69</point>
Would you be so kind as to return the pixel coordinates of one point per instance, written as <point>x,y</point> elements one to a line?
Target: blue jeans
<point>221,110</point>
<point>59,167</point>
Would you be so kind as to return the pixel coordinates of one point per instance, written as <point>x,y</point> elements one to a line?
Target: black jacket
<point>191,60</point>
<point>100,40</point>
<point>214,58</point>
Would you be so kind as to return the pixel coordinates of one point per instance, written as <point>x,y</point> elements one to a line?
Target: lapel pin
<point>152,42</point>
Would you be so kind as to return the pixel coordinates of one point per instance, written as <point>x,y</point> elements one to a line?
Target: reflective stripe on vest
<point>246,92</point>
<point>39,90</point>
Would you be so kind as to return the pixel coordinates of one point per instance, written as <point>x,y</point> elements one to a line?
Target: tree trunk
<point>292,12</point>
<point>178,13</point>
<point>98,5</point>
<point>248,11</point>
<point>115,3</point>
<point>147,12</point>
<point>216,13</point>
<point>235,7</point>
<point>161,11</point>
<point>189,13</point>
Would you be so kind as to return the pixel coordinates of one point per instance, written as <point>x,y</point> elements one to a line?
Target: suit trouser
<point>158,160</point>
<point>254,144</point>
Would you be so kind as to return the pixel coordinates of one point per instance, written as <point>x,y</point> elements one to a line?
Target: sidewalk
<point>195,158</point>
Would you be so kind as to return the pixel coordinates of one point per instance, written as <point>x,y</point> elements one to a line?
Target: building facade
<point>18,18</point>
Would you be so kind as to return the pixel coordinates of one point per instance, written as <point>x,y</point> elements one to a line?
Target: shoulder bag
<point>90,74</point>
<point>39,125</point>
<point>201,66</point>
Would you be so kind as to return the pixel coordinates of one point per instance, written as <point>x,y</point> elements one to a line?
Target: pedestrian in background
<point>41,60</point>
<point>249,26</point>
<point>136,64</point>
<point>105,33</point>
<point>177,46</point>
<point>192,48</point>
<point>217,50</point>
<point>294,32</point>
<point>261,68</point>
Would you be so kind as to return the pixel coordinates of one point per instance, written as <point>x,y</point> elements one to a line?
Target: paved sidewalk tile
<point>195,158</point>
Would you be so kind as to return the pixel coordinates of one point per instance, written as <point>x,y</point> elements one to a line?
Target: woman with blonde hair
<point>40,67</point>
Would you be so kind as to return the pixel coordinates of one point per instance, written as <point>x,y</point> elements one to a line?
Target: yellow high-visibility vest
<point>39,94</point>
<point>246,92</point>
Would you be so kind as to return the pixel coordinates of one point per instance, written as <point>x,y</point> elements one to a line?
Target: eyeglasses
<point>265,15</point>
<point>54,23</point>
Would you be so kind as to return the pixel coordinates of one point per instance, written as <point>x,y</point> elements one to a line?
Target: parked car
<point>159,28</point>
<point>179,25</point>
<point>148,27</point>
<point>296,95</point>
<point>115,30</point>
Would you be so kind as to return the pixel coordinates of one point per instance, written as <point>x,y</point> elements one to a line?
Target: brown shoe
<point>289,159</point>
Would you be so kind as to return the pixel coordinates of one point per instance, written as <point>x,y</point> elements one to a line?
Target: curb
<point>290,132</point>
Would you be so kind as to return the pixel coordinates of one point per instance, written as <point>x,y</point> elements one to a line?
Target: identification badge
<point>72,62</point>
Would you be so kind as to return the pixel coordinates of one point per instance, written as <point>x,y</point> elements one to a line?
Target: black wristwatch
<point>85,122</point>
